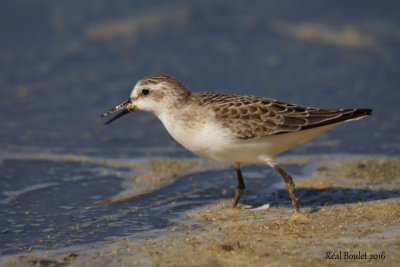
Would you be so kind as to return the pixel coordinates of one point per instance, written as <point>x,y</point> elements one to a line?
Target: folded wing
<point>252,117</point>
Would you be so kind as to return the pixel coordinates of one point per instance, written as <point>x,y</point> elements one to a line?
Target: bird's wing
<point>251,117</point>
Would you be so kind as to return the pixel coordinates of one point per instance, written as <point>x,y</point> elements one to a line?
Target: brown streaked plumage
<point>155,79</point>
<point>233,128</point>
<point>251,116</point>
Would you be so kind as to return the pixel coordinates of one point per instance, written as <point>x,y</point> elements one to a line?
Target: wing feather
<point>252,117</point>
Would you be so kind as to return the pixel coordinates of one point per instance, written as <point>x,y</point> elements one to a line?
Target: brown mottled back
<point>251,117</point>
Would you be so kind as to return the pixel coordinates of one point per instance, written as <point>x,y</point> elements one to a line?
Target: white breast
<point>204,138</point>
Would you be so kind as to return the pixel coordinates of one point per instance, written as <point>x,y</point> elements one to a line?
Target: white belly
<point>266,148</point>
<point>210,140</point>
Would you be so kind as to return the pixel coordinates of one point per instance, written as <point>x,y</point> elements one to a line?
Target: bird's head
<point>154,94</point>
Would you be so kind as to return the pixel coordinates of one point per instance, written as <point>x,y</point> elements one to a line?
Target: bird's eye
<point>145,91</point>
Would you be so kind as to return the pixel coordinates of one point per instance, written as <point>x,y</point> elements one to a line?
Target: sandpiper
<point>232,128</point>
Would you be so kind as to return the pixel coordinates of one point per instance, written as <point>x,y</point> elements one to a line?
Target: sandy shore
<point>350,208</point>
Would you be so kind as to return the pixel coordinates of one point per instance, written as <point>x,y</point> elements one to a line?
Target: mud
<point>349,205</point>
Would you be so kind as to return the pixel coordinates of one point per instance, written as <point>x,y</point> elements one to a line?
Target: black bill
<point>123,108</point>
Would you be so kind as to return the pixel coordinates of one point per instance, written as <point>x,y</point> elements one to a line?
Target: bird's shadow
<point>195,190</point>
<point>315,198</point>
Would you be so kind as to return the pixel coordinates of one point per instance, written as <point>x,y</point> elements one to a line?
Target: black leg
<point>290,186</point>
<point>241,186</point>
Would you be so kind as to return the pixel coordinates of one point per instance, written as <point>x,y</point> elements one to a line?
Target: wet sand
<point>350,205</point>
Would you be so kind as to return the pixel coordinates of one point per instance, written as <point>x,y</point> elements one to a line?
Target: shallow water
<point>64,63</point>
<point>60,203</point>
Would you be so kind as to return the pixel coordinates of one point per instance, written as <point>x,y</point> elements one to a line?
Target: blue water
<point>55,78</point>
